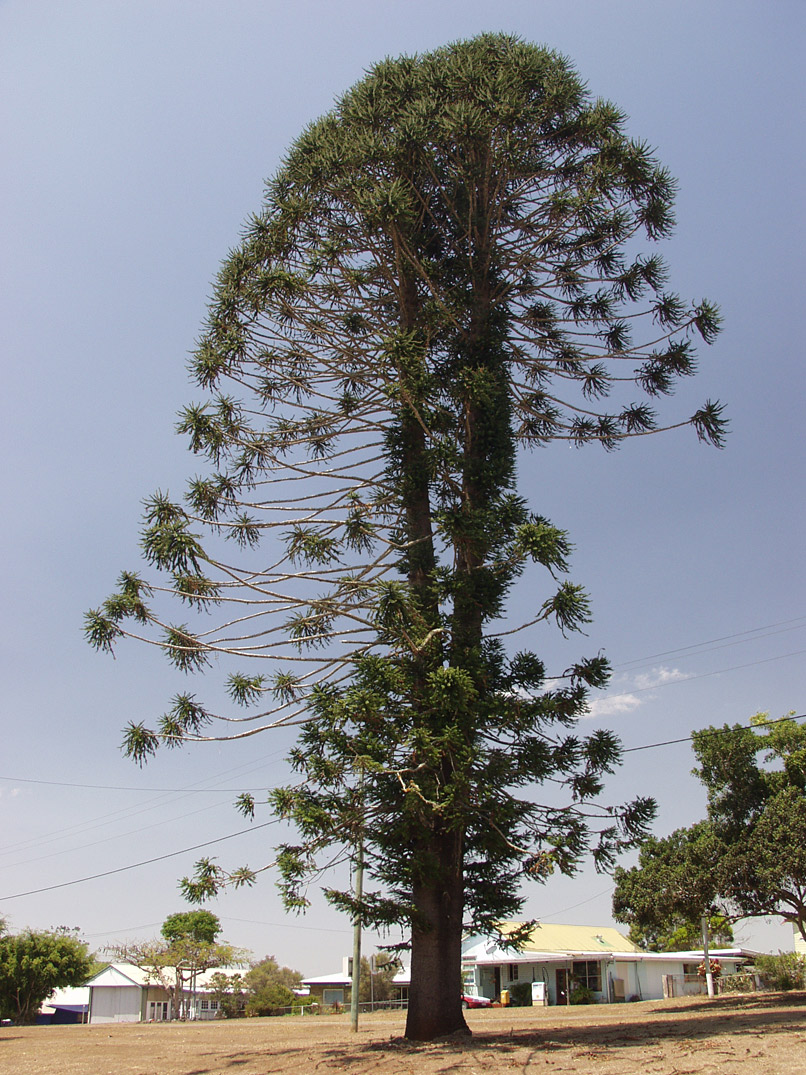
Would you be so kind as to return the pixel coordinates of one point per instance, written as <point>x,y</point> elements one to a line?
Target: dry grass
<point>744,1035</point>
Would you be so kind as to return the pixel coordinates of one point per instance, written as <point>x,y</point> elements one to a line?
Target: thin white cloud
<point>658,677</point>
<point>612,704</point>
<point>644,683</point>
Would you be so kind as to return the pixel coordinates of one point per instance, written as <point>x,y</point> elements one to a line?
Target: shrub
<point>272,999</point>
<point>787,970</point>
<point>520,995</point>
<point>580,994</point>
<point>737,983</point>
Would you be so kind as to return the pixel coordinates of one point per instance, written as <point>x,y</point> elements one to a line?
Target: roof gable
<point>119,974</point>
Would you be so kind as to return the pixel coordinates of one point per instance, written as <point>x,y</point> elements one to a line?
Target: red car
<point>469,1001</point>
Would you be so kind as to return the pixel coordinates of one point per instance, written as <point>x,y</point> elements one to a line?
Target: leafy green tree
<point>673,885</point>
<point>33,964</point>
<point>682,935</point>
<point>748,858</point>
<point>201,926</point>
<point>268,971</point>
<point>758,811</point>
<point>228,992</point>
<point>376,977</point>
<point>270,987</point>
<point>445,272</point>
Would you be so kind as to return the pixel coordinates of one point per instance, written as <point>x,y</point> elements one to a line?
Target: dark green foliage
<point>445,273</point>
<point>520,994</point>
<point>33,964</point>
<point>748,859</point>
<point>673,885</point>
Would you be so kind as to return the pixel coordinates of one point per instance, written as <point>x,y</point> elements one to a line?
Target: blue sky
<point>136,139</point>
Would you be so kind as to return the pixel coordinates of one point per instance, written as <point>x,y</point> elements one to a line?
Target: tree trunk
<point>435,993</point>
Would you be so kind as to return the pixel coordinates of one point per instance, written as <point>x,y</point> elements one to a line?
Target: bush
<point>272,999</point>
<point>520,995</point>
<point>580,994</point>
<point>787,970</point>
<point>737,983</point>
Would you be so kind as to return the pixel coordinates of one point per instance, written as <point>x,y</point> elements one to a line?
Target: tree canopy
<point>201,926</point>
<point>446,272</point>
<point>748,857</point>
<point>33,964</point>
<point>270,987</point>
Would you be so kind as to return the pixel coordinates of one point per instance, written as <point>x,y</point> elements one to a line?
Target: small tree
<point>446,270</point>
<point>188,949</point>
<point>228,992</point>
<point>33,964</point>
<point>270,987</point>
<point>376,977</point>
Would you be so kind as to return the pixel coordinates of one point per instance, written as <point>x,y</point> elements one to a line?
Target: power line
<point>238,791</point>
<point>574,906</point>
<point>638,690</point>
<point>713,731</point>
<point>783,624</point>
<point>265,824</point>
<point>123,787</point>
<point>716,672</point>
<point>137,865</point>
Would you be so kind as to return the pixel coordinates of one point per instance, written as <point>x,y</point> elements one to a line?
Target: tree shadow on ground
<point>752,1016</point>
<point>735,1003</point>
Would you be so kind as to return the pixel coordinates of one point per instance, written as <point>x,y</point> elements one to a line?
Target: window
<point>588,973</point>
<point>204,1004</point>
<point>332,996</point>
<point>513,972</point>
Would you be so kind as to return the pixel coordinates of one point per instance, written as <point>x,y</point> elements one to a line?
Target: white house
<point>332,989</point>
<point>564,958</point>
<point>123,993</point>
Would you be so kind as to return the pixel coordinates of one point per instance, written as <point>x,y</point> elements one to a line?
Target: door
<point>158,1011</point>
<point>497,982</point>
<point>562,986</point>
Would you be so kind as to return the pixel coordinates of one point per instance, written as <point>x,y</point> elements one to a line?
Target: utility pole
<point>709,978</point>
<point>358,886</point>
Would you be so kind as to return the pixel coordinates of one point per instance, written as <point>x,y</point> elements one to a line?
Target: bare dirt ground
<point>762,1034</point>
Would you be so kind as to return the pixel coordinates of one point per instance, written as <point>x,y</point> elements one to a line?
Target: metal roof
<point>550,937</point>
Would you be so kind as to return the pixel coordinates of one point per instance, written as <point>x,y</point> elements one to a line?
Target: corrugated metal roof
<point>551,937</point>
<point>126,974</point>
<point>554,937</point>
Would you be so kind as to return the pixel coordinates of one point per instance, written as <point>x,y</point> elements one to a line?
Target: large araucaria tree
<point>445,272</point>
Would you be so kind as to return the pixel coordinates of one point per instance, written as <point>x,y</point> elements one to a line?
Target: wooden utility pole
<point>358,887</point>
